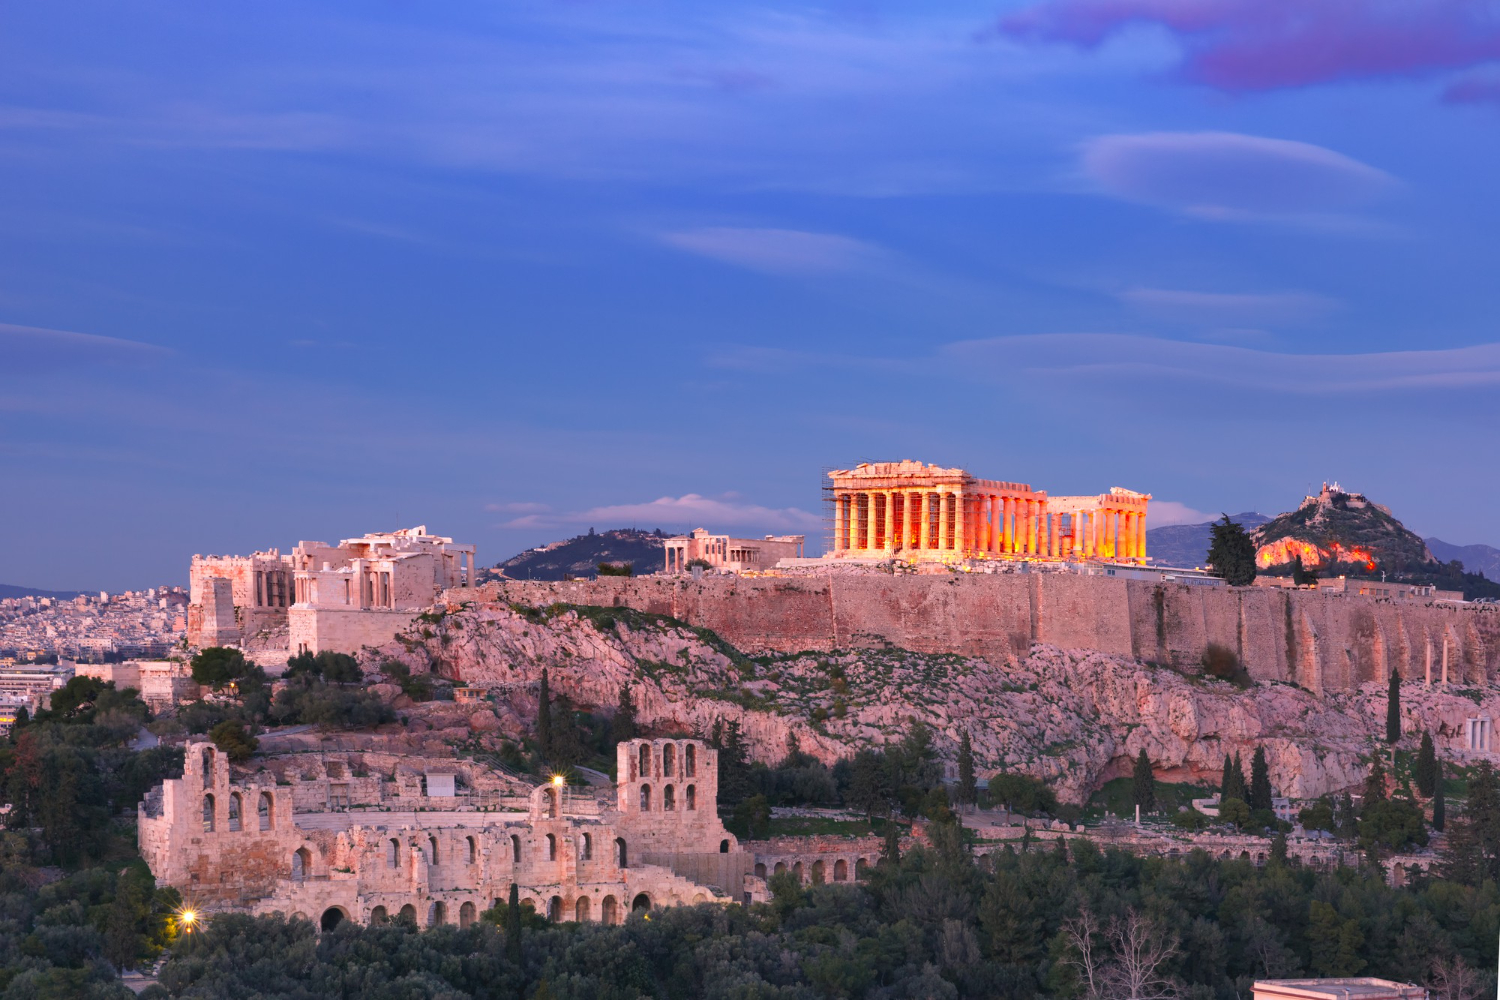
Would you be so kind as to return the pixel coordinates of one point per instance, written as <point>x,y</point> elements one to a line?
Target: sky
<point>514,270</point>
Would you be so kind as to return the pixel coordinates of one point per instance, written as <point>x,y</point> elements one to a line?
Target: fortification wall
<point>1321,640</point>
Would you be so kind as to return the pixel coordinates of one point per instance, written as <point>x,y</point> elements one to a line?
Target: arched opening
<point>555,909</point>
<point>780,867</point>
<point>645,760</point>
<point>1244,855</point>
<point>723,847</point>
<point>860,866</point>
<point>581,910</point>
<point>234,812</point>
<point>379,916</point>
<point>641,903</point>
<point>263,810</point>
<point>301,864</point>
<point>432,856</point>
<point>841,870</point>
<point>587,850</point>
<point>645,798</point>
<point>668,760</point>
<point>332,917</point>
<point>551,847</point>
<point>689,761</point>
<point>620,856</point>
<point>515,849</point>
<point>817,873</point>
<point>609,910</point>
<point>208,765</point>
<point>699,897</point>
<point>393,853</point>
<point>692,797</point>
<point>471,855</point>
<point>208,814</point>
<point>466,915</point>
<point>408,914</point>
<point>550,807</point>
<point>797,871</point>
<point>437,916</point>
<point>760,869</point>
<point>668,799</point>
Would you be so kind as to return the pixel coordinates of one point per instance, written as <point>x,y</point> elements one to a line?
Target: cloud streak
<point>1236,305</point>
<point>1255,45</point>
<point>777,251</point>
<point>29,350</point>
<point>715,513</point>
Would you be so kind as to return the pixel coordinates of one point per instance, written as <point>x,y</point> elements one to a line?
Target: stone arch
<point>264,811</point>
<point>723,847</point>
<point>621,857</point>
<point>609,910</point>
<point>332,917</point>
<point>393,853</point>
<point>841,870</point>
<point>432,857</point>
<point>208,766</point>
<point>466,914</point>
<point>299,915</point>
<point>690,761</point>
<point>379,916</point>
<point>515,849</point>
<point>471,853</point>
<point>669,799</point>
<point>797,871</point>
<point>668,760</point>
<point>408,912</point>
<point>586,848</point>
<point>208,813</point>
<point>692,798</point>
<point>641,903</point>
<point>760,869</point>
<point>555,909</point>
<point>234,812</point>
<point>549,797</point>
<point>780,867</point>
<point>817,872</point>
<point>551,847</point>
<point>861,867</point>
<point>1244,855</point>
<point>581,910</point>
<point>301,864</point>
<point>698,897</point>
<point>645,760</point>
<point>645,798</point>
<point>437,914</point>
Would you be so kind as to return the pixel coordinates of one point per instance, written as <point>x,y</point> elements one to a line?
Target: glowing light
<point>557,781</point>
<point>1286,550</point>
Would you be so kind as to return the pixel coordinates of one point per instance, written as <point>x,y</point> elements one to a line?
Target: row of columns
<point>946,520</point>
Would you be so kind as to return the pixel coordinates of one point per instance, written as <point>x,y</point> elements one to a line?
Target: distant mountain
<point>1337,532</point>
<point>1186,545</point>
<point>8,590</point>
<point>1476,558</point>
<point>580,556</point>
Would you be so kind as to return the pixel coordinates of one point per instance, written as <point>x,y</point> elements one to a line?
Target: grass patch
<point>1118,797</point>
<point>819,826</point>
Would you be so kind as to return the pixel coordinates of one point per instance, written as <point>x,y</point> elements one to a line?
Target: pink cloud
<point>1241,45</point>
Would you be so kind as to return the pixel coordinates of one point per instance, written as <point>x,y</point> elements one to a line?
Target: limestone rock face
<point>1075,718</point>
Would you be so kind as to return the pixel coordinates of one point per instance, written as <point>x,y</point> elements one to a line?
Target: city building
<point>736,555</point>
<point>915,511</point>
<point>32,684</point>
<point>1360,988</point>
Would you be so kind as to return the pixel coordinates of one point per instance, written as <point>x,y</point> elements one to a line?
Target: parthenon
<point>928,513</point>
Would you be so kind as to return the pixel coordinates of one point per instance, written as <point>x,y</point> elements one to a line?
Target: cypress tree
<point>1226,780</point>
<point>623,726</point>
<point>1232,553</point>
<point>1439,809</point>
<point>1393,709</point>
<point>1145,783</point>
<point>1424,771</point>
<point>544,717</point>
<point>513,925</point>
<point>1260,781</point>
<point>1374,790</point>
<point>892,851</point>
<point>968,787</point>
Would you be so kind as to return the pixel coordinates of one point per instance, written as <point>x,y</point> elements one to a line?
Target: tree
<point>1424,771</point>
<point>1374,790</point>
<point>544,717</point>
<point>968,787</point>
<point>1233,784</point>
<point>891,852</point>
<point>1234,811</point>
<point>1453,979</point>
<point>734,762</point>
<point>1145,783</point>
<point>1301,575</point>
<point>869,789</point>
<point>1439,808</point>
<point>1143,952</point>
<point>1393,709</point>
<point>230,737</point>
<point>513,925</point>
<point>217,666</point>
<point>1335,942</point>
<point>1232,554</point>
<point>1260,782</point>
<point>623,726</point>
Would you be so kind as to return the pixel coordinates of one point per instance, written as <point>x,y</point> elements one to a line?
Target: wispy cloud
<point>1250,45</point>
<point>716,513</point>
<point>31,349</point>
<point>777,251</point>
<point>1161,513</point>
<point>1229,305</point>
<point>1227,175</point>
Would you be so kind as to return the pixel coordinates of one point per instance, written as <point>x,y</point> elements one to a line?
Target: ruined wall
<point>1321,640</point>
<point>343,630</point>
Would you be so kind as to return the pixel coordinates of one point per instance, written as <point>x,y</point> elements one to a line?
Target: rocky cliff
<point>1076,718</point>
<point>1339,532</point>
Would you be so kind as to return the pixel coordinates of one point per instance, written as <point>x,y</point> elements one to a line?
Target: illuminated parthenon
<point>926,512</point>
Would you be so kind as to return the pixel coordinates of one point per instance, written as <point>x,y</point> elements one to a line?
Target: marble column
<point>1054,535</point>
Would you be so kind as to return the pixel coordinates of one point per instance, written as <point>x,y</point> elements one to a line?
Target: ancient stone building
<point>924,512</point>
<point>368,837</point>
<point>734,554</point>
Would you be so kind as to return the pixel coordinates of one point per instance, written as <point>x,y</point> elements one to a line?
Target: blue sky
<point>517,269</point>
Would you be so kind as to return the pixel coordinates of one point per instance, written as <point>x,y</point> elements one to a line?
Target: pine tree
<point>1424,771</point>
<point>1374,790</point>
<point>1145,783</point>
<point>1393,709</point>
<point>1260,781</point>
<point>623,726</point>
<point>1278,849</point>
<point>968,787</point>
<point>891,853</point>
<point>1439,808</point>
<point>544,717</point>
<point>1232,553</point>
<point>513,925</point>
<point>1226,779</point>
<point>734,766</point>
